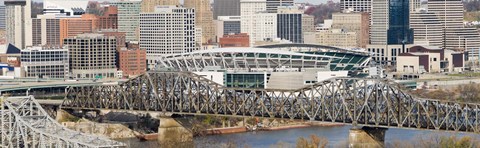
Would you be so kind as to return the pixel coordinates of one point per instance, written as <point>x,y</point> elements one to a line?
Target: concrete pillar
<point>172,134</point>
<point>367,137</point>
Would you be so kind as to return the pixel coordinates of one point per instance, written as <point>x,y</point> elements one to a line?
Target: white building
<point>67,7</point>
<point>168,30</point>
<point>379,22</point>
<point>248,11</point>
<point>427,28</point>
<point>18,23</point>
<point>356,5</point>
<point>45,63</point>
<point>227,25</point>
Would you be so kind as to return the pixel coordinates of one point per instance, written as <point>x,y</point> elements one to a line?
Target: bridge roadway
<point>360,102</point>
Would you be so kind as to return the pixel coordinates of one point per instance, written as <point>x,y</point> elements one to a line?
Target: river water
<point>337,137</point>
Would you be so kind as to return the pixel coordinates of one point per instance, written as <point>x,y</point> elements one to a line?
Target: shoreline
<point>244,129</point>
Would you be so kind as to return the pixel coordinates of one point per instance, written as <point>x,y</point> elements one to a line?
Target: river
<point>337,137</point>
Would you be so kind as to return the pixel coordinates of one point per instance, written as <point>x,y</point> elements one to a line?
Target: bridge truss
<point>362,102</point>
<point>24,123</point>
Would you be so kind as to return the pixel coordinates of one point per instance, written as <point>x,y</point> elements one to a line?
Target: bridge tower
<point>367,137</point>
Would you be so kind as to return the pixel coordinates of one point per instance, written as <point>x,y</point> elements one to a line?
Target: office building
<point>42,62</point>
<point>399,31</point>
<point>248,11</point>
<point>128,18</point>
<point>234,40</point>
<point>203,18</point>
<point>379,22</point>
<point>357,22</point>
<point>427,28</point>
<point>356,5</point>
<point>18,23</point>
<point>289,27</point>
<point>308,23</point>
<point>46,31</point>
<point>109,19</point>
<point>272,5</point>
<point>119,36</point>
<point>449,12</point>
<point>149,5</point>
<point>70,27</point>
<point>456,36</point>
<point>132,61</point>
<point>2,17</point>
<point>334,37</point>
<point>65,7</point>
<point>92,56</point>
<point>415,5</point>
<point>227,25</point>
<point>159,38</point>
<point>390,22</point>
<point>226,8</point>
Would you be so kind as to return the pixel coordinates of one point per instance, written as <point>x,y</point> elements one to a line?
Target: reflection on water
<point>337,137</point>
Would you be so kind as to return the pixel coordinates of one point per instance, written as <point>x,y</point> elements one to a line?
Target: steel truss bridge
<point>24,123</point>
<point>356,101</point>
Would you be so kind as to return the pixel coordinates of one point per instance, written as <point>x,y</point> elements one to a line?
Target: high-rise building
<point>415,5</point>
<point>149,5</point>
<point>227,25</point>
<point>226,8</point>
<point>203,18</point>
<point>70,27</point>
<point>455,34</point>
<point>356,5</point>
<point>46,31</point>
<point>379,22</point>
<point>92,56</point>
<point>390,22</point>
<point>109,19</point>
<point>42,62</point>
<point>65,7</point>
<point>399,31</point>
<point>272,5</point>
<point>357,22</point>
<point>289,27</point>
<point>290,23</point>
<point>427,28</point>
<point>128,18</point>
<point>18,23</point>
<point>308,23</point>
<point>2,17</point>
<point>450,12</point>
<point>258,24</point>
<point>160,38</point>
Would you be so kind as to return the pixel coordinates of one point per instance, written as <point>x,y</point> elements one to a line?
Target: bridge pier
<point>367,137</point>
<point>172,134</point>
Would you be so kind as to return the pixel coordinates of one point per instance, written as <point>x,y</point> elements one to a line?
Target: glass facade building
<point>289,27</point>
<point>128,18</point>
<point>399,31</point>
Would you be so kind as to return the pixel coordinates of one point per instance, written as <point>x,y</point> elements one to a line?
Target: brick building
<point>132,60</point>
<point>235,40</point>
<point>71,27</point>
<point>109,20</point>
